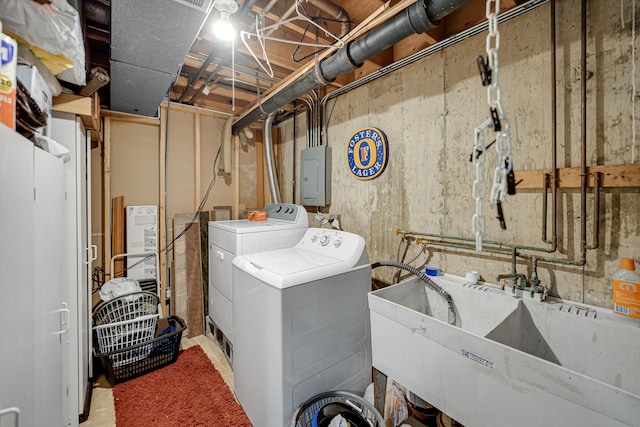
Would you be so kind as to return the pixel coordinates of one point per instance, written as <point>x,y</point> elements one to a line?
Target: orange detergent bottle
<point>626,289</point>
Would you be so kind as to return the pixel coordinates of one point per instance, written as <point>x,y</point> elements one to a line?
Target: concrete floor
<point>103,412</point>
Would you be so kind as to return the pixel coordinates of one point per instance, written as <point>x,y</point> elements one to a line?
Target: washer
<point>284,226</point>
<point>301,324</point>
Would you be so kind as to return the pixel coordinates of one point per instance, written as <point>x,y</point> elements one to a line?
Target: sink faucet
<point>512,281</point>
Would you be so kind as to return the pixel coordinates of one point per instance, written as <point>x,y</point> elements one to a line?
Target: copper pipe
<point>597,183</point>
<point>554,137</point>
<point>545,185</point>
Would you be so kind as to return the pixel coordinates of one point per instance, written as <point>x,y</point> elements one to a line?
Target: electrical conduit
<point>268,155</point>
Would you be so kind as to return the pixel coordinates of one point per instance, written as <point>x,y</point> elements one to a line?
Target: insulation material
<point>52,32</point>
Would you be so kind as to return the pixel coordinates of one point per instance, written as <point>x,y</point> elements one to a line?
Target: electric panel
<point>315,174</point>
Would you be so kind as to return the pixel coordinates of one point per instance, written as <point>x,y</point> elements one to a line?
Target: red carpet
<point>188,393</point>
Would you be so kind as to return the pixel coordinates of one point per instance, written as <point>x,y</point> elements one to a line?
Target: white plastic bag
<point>54,28</point>
<point>120,286</point>
<point>395,405</point>
<point>338,421</point>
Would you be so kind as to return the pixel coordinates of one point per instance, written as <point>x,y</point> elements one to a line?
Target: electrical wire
<point>169,245</point>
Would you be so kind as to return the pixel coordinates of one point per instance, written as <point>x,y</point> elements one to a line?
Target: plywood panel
<point>117,234</point>
<point>222,192</point>
<point>194,281</point>
<point>180,152</point>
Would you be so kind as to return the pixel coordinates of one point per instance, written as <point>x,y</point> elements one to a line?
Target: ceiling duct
<point>417,18</point>
<point>149,41</point>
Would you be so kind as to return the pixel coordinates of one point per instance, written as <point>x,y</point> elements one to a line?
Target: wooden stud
<point>162,225</point>
<point>235,142</point>
<point>196,161</point>
<point>106,194</point>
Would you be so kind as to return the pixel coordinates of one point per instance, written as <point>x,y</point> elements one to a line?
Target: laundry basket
<point>305,414</point>
<point>164,351</point>
<point>126,307</point>
<point>128,333</point>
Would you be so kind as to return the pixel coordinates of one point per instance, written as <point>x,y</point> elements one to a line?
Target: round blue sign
<point>367,153</point>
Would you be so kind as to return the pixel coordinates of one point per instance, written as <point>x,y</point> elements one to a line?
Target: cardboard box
<point>30,77</point>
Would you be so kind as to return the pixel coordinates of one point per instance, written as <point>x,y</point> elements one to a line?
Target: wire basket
<point>164,351</point>
<point>304,415</point>
<point>120,335</point>
<point>126,307</point>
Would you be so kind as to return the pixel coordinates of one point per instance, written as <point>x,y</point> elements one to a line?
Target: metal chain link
<point>503,139</point>
<point>479,221</point>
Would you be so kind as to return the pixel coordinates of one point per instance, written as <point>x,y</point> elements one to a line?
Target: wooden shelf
<point>87,107</point>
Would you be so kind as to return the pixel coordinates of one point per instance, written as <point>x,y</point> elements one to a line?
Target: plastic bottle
<point>626,289</point>
<point>8,63</point>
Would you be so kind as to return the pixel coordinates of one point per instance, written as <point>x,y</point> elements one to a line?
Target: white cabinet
<point>67,129</point>
<point>17,278</point>
<point>34,317</point>
<point>52,315</point>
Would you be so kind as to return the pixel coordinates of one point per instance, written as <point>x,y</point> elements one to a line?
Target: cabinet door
<point>17,351</point>
<point>51,311</point>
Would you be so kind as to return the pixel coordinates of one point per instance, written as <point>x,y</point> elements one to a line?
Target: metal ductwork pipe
<point>417,18</point>
<point>268,155</point>
<point>336,12</point>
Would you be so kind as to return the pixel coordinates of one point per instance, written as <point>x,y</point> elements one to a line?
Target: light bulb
<point>222,28</point>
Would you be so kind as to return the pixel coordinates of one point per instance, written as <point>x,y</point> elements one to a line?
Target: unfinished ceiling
<point>150,46</point>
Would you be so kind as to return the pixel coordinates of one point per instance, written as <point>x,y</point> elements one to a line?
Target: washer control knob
<point>337,243</point>
<point>324,240</point>
<point>279,208</point>
<point>314,237</point>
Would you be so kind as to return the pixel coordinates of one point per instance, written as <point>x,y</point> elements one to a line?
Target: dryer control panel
<point>342,245</point>
<point>287,212</point>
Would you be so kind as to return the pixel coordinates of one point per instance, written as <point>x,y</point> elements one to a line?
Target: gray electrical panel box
<point>315,174</point>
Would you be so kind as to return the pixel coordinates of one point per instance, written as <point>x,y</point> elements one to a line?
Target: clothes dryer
<point>284,226</point>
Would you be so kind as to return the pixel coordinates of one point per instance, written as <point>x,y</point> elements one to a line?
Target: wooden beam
<point>131,118</point>
<point>618,176</point>
<point>220,89</point>
<point>193,109</point>
<point>68,103</point>
<point>467,16</point>
<point>410,45</point>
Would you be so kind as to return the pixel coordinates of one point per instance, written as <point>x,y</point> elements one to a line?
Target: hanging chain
<point>479,222</point>
<point>489,71</point>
